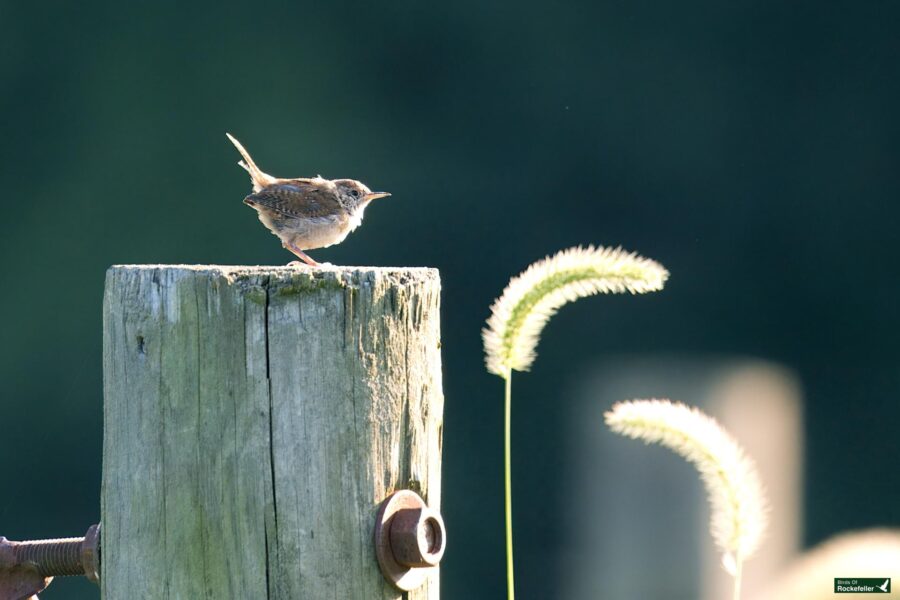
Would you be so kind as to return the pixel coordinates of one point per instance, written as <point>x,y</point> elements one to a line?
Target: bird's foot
<point>297,263</point>
<point>299,254</point>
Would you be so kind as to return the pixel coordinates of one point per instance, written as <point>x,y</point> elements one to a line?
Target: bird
<point>306,212</point>
<point>883,587</point>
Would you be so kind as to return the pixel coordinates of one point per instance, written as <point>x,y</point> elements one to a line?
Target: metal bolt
<point>26,568</point>
<point>409,540</point>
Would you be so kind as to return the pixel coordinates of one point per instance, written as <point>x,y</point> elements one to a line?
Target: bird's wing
<point>303,198</point>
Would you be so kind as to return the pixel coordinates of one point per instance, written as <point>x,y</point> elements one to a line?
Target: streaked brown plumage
<point>306,213</point>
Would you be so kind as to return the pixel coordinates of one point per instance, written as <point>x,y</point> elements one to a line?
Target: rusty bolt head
<point>409,540</point>
<point>417,537</point>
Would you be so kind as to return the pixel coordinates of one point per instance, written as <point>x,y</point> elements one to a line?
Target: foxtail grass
<point>738,516</point>
<point>520,314</point>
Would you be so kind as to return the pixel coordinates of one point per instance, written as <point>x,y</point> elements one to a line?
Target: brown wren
<point>306,213</point>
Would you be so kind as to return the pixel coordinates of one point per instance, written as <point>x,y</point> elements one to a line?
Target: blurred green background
<point>752,147</point>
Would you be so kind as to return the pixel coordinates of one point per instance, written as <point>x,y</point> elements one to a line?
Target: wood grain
<point>254,418</point>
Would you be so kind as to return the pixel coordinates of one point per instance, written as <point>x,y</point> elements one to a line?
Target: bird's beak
<point>376,195</point>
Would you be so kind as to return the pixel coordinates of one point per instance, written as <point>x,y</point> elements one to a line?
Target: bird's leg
<point>300,254</point>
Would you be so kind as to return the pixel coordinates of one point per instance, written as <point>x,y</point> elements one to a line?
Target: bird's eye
<point>354,193</point>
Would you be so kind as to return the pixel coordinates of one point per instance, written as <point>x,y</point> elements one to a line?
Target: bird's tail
<point>259,179</point>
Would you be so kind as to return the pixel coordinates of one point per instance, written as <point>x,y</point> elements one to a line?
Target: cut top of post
<point>322,273</point>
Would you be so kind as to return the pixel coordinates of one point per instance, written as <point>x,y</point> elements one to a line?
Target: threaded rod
<point>53,558</point>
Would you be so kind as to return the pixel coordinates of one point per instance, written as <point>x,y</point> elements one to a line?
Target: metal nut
<point>410,539</point>
<point>90,553</point>
<point>417,537</point>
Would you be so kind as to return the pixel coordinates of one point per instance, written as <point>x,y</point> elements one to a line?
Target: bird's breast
<point>308,233</point>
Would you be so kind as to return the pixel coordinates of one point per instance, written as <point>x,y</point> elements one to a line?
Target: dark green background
<point>751,146</point>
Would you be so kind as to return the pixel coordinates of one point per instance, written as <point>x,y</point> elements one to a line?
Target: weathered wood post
<point>255,418</point>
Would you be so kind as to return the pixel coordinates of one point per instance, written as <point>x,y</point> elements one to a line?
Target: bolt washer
<point>403,577</point>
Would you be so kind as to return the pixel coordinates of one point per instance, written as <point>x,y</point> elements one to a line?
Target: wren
<point>306,213</point>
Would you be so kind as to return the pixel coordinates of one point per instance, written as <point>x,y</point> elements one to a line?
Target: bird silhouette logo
<point>884,586</point>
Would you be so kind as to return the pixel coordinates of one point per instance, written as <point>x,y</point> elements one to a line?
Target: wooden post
<point>254,419</point>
